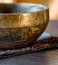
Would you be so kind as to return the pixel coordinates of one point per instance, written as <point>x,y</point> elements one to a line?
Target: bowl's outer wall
<point>21,30</point>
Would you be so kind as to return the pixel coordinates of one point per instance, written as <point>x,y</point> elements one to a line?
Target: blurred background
<point>52,4</point>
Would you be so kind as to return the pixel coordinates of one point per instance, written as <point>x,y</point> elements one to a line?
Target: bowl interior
<point>21,8</point>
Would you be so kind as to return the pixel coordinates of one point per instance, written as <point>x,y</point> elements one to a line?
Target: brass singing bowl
<point>21,24</point>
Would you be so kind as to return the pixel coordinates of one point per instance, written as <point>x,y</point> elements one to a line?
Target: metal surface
<point>21,24</point>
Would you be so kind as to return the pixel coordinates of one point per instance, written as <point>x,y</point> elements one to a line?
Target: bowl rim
<point>29,4</point>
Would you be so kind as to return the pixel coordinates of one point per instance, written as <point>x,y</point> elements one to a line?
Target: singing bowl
<point>21,24</point>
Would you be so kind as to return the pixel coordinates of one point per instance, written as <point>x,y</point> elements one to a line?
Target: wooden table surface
<point>49,57</point>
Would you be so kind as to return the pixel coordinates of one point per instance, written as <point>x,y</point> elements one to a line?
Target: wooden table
<point>49,57</point>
